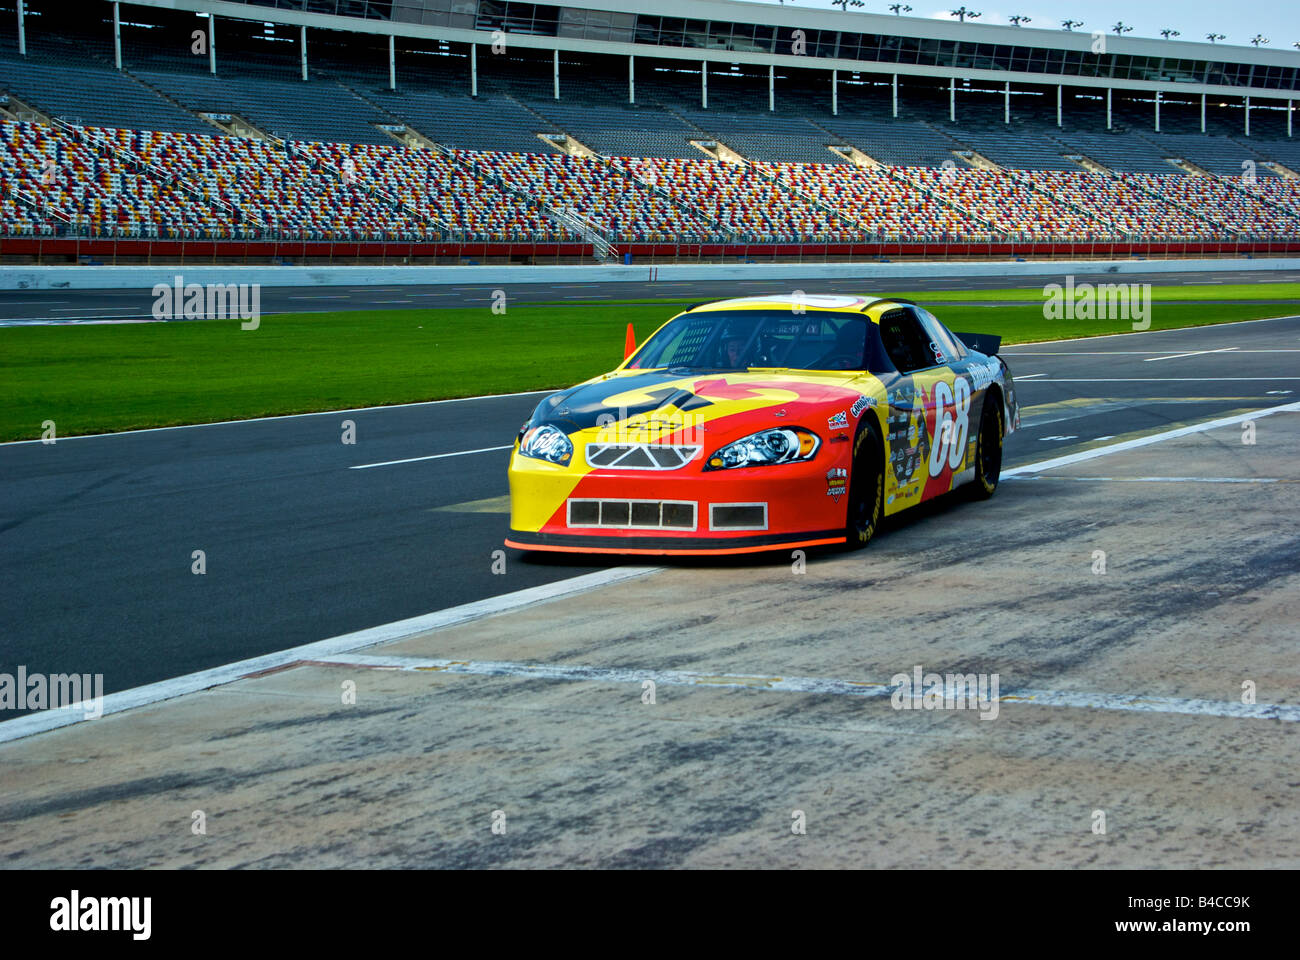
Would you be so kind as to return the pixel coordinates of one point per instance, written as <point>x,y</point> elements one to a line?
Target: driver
<point>732,347</point>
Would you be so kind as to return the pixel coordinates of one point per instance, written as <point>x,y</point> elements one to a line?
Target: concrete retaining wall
<point>105,277</point>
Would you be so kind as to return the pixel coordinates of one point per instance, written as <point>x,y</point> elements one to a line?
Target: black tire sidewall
<point>990,432</point>
<point>867,472</point>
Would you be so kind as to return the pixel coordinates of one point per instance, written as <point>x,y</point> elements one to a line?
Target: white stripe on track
<point>1194,353</point>
<point>1161,479</point>
<point>286,416</point>
<point>815,685</point>
<point>1148,440</point>
<point>42,721</point>
<point>433,456</point>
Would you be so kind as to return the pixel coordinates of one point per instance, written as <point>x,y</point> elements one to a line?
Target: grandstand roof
<point>732,31</point>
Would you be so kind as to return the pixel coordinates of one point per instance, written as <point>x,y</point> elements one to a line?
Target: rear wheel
<point>866,507</point>
<point>988,450</point>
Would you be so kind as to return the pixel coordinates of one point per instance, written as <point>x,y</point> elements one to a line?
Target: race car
<point>763,423</point>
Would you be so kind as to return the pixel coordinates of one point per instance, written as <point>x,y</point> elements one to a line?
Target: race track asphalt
<point>97,534</point>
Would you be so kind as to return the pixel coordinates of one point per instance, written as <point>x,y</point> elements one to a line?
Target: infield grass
<point>104,378</point>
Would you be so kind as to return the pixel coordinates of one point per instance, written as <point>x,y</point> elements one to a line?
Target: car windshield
<point>740,339</point>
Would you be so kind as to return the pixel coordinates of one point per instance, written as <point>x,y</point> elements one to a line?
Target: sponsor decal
<point>836,479</point>
<point>840,419</point>
<point>982,374</point>
<point>937,351</point>
<point>861,404</point>
<point>840,438</point>
<point>952,425</point>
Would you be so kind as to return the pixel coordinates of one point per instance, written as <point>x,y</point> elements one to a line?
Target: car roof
<point>872,307</point>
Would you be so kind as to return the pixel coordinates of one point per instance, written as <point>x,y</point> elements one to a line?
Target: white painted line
<point>335,297</point>
<point>1137,442</point>
<point>1027,376</point>
<point>1128,353</point>
<point>1288,713</point>
<point>42,721</point>
<point>287,416</point>
<point>101,309</point>
<point>1194,353</point>
<point>1166,379</point>
<point>1142,333</point>
<point>436,456</point>
<point>1160,479</point>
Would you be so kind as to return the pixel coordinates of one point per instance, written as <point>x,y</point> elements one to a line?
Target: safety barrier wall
<point>91,277</point>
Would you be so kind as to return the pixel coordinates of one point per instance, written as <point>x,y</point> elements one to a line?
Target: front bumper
<point>688,511</point>
<point>674,546</point>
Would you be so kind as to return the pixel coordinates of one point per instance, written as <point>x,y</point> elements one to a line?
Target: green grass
<point>95,379</point>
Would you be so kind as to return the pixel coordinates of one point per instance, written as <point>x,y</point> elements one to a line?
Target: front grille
<point>641,456</point>
<point>632,514</point>
<point>738,516</point>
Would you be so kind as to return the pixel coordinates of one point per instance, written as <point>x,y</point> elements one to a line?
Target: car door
<point>953,401</point>
<point>921,401</point>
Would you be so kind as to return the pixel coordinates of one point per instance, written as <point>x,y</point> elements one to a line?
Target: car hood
<point>662,401</point>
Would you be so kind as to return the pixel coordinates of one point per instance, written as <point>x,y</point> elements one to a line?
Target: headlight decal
<point>547,443</point>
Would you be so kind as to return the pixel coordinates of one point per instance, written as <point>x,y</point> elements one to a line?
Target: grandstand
<point>128,130</point>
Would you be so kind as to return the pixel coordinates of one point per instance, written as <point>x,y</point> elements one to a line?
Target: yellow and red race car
<point>763,423</point>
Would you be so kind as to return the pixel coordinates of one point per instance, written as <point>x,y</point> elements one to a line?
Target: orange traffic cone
<point>629,344</point>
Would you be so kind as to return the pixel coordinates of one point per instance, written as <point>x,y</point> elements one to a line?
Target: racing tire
<point>988,451</point>
<point>865,511</point>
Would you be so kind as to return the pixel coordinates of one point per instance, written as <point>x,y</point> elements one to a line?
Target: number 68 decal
<point>952,425</point>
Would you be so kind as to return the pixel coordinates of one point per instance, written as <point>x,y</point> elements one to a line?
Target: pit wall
<point>136,277</point>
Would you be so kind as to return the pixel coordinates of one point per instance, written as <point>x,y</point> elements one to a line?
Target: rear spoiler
<point>985,343</point>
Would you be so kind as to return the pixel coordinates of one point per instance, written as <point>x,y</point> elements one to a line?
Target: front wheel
<point>988,450</point>
<point>866,507</point>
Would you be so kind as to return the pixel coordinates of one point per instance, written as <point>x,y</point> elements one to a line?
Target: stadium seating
<point>137,159</point>
<point>1242,213</point>
<point>1133,212</point>
<point>1000,199</point>
<point>744,201</point>
<point>880,203</point>
<point>624,207</point>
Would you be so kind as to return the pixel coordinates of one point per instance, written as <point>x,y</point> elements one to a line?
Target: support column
<point>212,43</point>
<point>1202,113</point>
<point>895,96</point>
<point>1289,109</point>
<point>1248,116</point>
<point>704,84</point>
<point>952,99</point>
<point>1006,102</point>
<point>1157,111</point>
<point>22,28</point>
<point>117,34</point>
<point>302,44</point>
<point>473,69</point>
<point>771,87</point>
<point>631,79</point>
<point>1059,95</point>
<point>392,61</point>
<point>835,93</point>
<point>1109,91</point>
<point>555,77</point>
